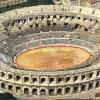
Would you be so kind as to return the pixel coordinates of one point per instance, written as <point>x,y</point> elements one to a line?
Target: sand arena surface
<point>52,58</point>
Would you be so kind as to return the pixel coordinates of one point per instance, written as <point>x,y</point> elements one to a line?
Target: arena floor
<point>52,57</point>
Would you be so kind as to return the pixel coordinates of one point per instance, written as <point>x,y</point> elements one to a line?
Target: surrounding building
<point>87,3</point>
<point>4,3</point>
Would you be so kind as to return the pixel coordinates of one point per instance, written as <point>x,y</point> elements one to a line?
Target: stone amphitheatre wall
<point>60,83</point>
<point>18,20</point>
<point>63,83</point>
<point>45,83</point>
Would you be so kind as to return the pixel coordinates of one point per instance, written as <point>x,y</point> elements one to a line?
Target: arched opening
<point>51,80</point>
<point>31,26</point>
<point>54,16</point>
<point>48,22</point>
<point>98,73</point>
<point>54,23</point>
<point>59,80</point>
<point>59,91</point>
<point>26,79</point>
<point>2,74</point>
<point>76,26</point>
<point>30,19</point>
<point>84,19</point>
<point>9,76</point>
<point>3,86</point>
<point>43,92</point>
<point>97,84</point>
<point>51,91</point>
<point>85,29</point>
<point>90,87</point>
<point>75,89</point>
<point>83,88</point>
<point>34,91</point>
<point>36,24</point>
<point>26,91</point>
<point>34,80</point>
<point>78,18</point>
<point>75,78</point>
<point>67,90</point>
<point>67,79</point>
<point>65,23</point>
<point>43,80</point>
<point>18,89</point>
<point>83,76</point>
<point>18,78</point>
<point>10,87</point>
<point>90,75</point>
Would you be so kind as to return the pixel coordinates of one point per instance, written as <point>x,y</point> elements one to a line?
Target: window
<point>67,79</point>
<point>3,85</point>
<point>26,91</point>
<point>59,91</point>
<point>97,84</point>
<point>51,80</point>
<point>98,73</point>
<point>18,89</point>
<point>83,76</point>
<point>90,75</point>
<point>10,87</point>
<point>2,74</point>
<point>90,86</point>
<point>51,91</point>
<point>43,92</point>
<point>75,89</point>
<point>18,78</point>
<point>26,79</point>
<point>43,80</point>
<point>9,76</point>
<point>34,91</point>
<point>83,88</point>
<point>67,90</point>
<point>75,78</point>
<point>34,80</point>
<point>59,80</point>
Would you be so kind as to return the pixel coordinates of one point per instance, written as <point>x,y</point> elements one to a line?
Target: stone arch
<point>34,80</point>
<point>2,74</point>
<point>18,89</point>
<point>3,85</point>
<point>10,87</point>
<point>67,90</point>
<point>42,80</point>
<point>75,89</point>
<point>75,78</point>
<point>43,92</point>
<point>51,91</point>
<point>59,79</point>
<point>26,79</point>
<point>83,87</point>
<point>51,80</point>
<point>59,91</point>
<point>34,91</point>
<point>97,84</point>
<point>90,86</point>
<point>10,76</point>
<point>17,78</point>
<point>26,91</point>
<point>67,79</point>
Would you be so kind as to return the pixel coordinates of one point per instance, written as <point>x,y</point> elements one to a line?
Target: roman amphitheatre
<point>50,52</point>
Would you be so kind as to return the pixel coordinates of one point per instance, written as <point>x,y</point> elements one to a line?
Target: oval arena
<point>50,52</point>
